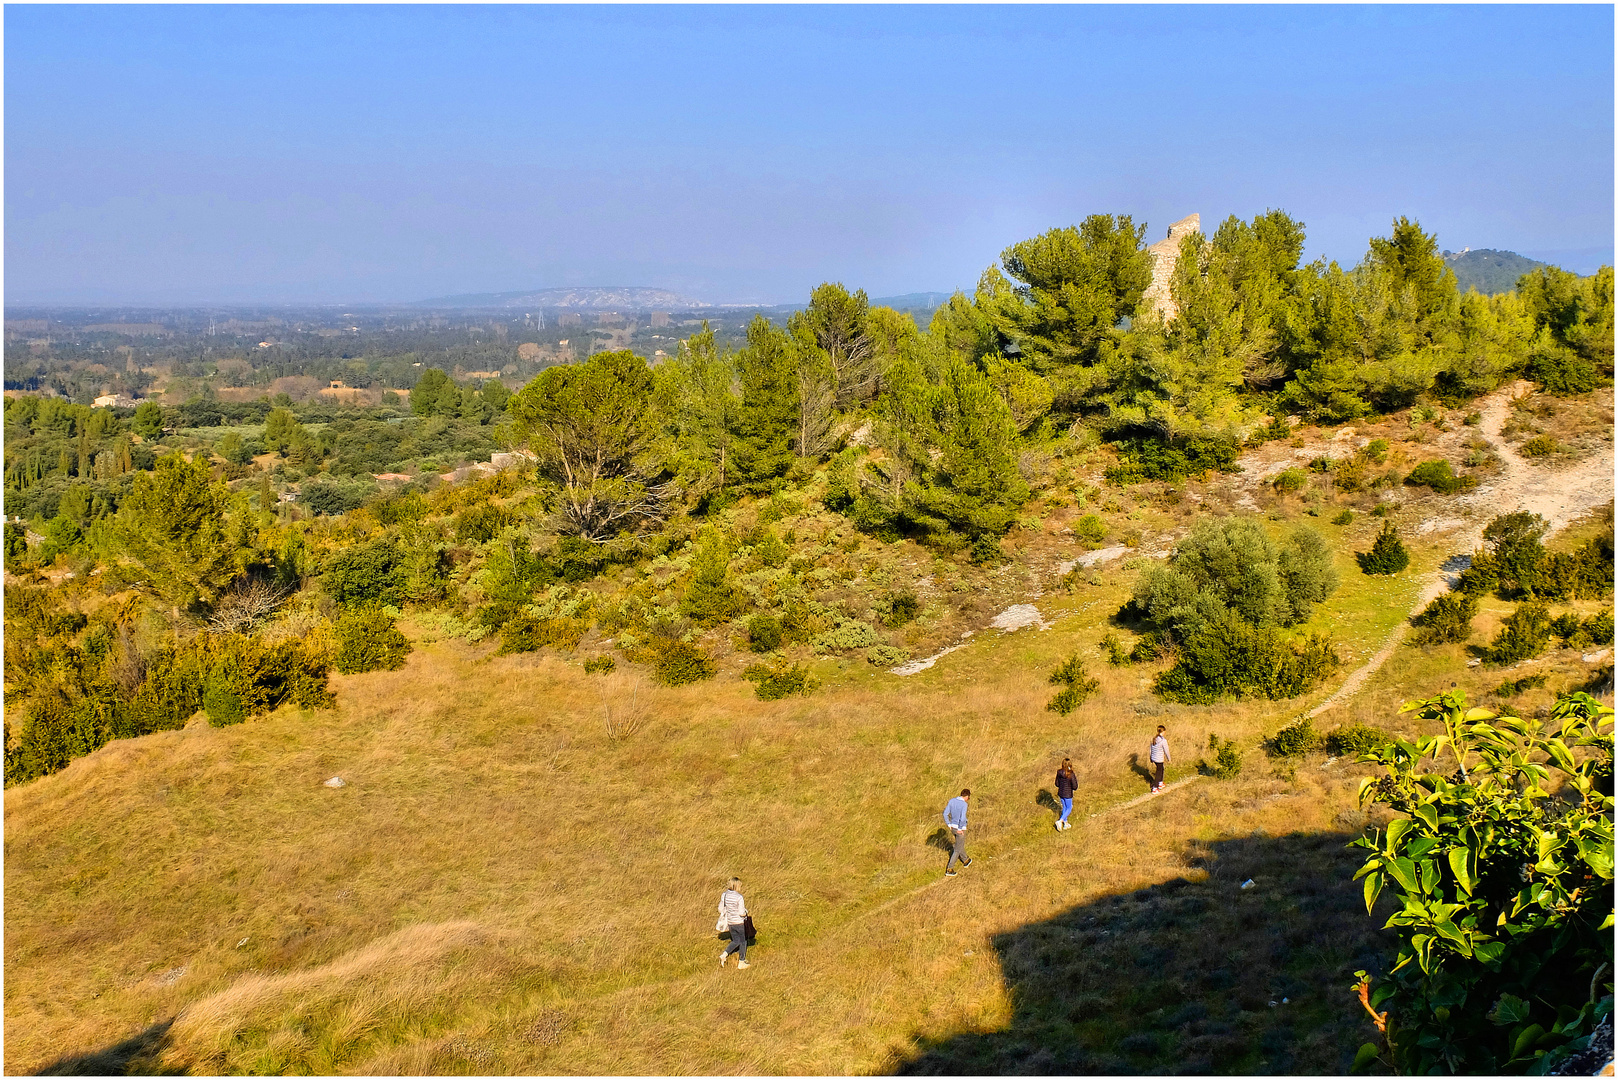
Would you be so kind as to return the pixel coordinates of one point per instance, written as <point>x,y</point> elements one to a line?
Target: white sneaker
<point>1058,826</point>
<point>742,964</point>
<point>723,956</point>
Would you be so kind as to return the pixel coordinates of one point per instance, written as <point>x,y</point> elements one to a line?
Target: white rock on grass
<point>336,781</point>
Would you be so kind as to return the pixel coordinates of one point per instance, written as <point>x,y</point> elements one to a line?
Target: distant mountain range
<point>596,298</point>
<point>1489,271</point>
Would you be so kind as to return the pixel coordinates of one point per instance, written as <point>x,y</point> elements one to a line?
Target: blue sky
<point>171,155</point>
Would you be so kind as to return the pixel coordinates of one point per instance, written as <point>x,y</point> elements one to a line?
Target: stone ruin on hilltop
<point>1164,253</point>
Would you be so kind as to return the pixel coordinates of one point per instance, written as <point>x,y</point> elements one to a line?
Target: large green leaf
<point>1373,889</point>
<point>1459,864</point>
<point>1509,1010</point>
<point>1364,1059</point>
<point>1403,871</point>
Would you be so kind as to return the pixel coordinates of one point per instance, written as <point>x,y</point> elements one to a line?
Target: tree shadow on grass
<point>1190,976</point>
<point>135,1055</point>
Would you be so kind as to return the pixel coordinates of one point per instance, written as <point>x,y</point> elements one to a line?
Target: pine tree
<point>1387,554</point>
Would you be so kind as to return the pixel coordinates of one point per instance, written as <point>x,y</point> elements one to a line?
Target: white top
<point>1160,749</point>
<point>732,907</point>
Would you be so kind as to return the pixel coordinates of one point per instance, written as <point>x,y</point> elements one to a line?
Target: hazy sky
<point>348,154</point>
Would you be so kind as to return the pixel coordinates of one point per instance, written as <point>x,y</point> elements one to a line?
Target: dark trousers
<point>959,854</point>
<point>1159,781</point>
<point>738,941</point>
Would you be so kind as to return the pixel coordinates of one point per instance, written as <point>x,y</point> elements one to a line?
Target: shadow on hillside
<point>135,1055</point>
<point>1141,771</point>
<point>1189,976</point>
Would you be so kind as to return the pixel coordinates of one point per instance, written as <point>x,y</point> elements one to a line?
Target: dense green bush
<point>1290,481</point>
<point>1354,739</point>
<point>778,681</point>
<point>366,574</point>
<point>1231,658</point>
<point>1090,528</point>
<point>1500,874</point>
<point>369,640</point>
<point>600,665</point>
<point>526,632</point>
<point>1152,458</point>
<point>1227,758</point>
<point>1439,476</point>
<point>1387,554</point>
<point>1076,685</point>
<point>711,598</point>
<point>329,499</point>
<point>678,663</point>
<point>903,607</point>
<point>1523,636</point>
<point>1540,446</point>
<point>1343,517</point>
<point>763,633</point>
<point>480,524</point>
<point>1447,620</point>
<point>1298,737</point>
<point>1513,687</point>
<point>886,656</point>
<point>1117,655</point>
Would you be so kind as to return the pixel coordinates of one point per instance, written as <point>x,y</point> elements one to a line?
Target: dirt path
<point>1560,496</point>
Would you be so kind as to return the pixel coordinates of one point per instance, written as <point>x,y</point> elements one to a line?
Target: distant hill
<point>588,298</point>
<point>1489,271</point>
<point>912,301</point>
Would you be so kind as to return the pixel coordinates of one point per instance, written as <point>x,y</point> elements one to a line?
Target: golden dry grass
<point>504,887</point>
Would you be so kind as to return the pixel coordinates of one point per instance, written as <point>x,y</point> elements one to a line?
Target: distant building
<point>609,318</point>
<point>337,384</point>
<point>114,401</point>
<point>660,318</point>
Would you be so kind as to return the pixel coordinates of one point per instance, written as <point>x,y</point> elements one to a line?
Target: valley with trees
<point>393,699</point>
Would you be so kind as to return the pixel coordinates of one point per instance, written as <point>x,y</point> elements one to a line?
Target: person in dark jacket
<point>1065,783</point>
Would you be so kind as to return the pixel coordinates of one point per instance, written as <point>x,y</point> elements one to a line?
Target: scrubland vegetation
<point>570,696</point>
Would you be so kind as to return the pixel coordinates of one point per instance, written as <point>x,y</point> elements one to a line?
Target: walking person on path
<point>1065,783</point>
<point>955,818</point>
<point>1159,755</point>
<point>733,914</point>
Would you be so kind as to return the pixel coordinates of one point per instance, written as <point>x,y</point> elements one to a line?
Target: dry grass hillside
<point>520,871</point>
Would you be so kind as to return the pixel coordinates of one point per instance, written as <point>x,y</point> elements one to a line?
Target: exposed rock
<point>1164,255</point>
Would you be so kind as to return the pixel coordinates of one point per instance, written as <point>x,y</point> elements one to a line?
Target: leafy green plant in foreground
<point>1503,880</point>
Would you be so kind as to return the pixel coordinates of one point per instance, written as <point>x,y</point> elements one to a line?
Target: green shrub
<point>1076,686</point>
<point>1299,737</point>
<point>1387,554</point>
<point>1231,658</point>
<point>678,663</point>
<point>849,634</point>
<point>1540,446</point>
<point>1227,758</point>
<point>526,632</point>
<point>986,550</point>
<point>600,665</point>
<point>1596,630</point>
<point>1439,476</point>
<point>885,656</point>
<point>1473,419</point>
<point>1447,620</point>
<point>1524,635</point>
<point>710,598</point>
<point>1155,459</point>
<point>1343,517</point>
<point>1117,655</point>
<point>366,574</point>
<point>1376,450</point>
<point>1513,687</point>
<point>368,640</point>
<point>1090,528</point>
<point>903,607</point>
<point>763,633</point>
<point>778,681</point>
<point>1354,739</point>
<point>1290,481</point>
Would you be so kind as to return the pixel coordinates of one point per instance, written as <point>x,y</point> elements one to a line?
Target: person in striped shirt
<point>1159,755</point>
<point>733,913</point>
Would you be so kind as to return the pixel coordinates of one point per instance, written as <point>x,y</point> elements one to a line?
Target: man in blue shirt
<point>955,818</point>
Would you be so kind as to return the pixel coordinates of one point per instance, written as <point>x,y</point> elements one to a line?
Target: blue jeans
<point>1067,808</point>
<point>738,941</point>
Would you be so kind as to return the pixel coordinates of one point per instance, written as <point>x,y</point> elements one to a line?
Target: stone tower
<point>1164,252</point>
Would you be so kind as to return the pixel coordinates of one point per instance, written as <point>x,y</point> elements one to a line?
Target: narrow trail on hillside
<point>1560,497</point>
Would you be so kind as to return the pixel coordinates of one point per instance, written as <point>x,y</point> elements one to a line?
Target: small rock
<point>1475,661</point>
<point>242,942</point>
<point>336,781</point>
<point>1592,657</point>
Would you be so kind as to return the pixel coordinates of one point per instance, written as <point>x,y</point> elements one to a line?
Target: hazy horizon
<point>191,156</point>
